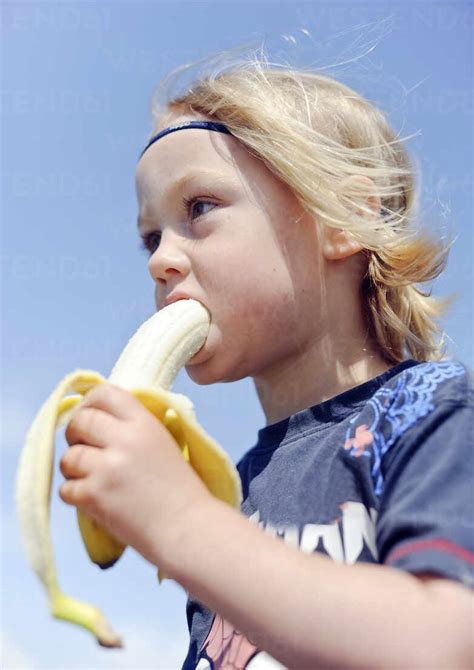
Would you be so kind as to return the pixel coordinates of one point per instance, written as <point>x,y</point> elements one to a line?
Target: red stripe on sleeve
<point>438,543</point>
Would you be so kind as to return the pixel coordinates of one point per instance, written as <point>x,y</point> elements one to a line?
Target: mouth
<point>174,297</point>
<point>200,354</point>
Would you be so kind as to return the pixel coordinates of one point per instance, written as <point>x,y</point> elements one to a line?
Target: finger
<point>113,400</point>
<point>78,461</point>
<point>74,492</point>
<point>91,426</point>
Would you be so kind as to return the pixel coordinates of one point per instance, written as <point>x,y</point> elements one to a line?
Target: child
<point>283,201</point>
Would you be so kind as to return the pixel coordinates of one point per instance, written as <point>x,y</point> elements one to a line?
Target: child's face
<point>246,249</point>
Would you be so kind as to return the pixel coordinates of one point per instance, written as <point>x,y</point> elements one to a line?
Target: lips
<point>174,297</point>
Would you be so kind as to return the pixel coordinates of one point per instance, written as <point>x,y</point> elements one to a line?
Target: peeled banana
<point>146,368</point>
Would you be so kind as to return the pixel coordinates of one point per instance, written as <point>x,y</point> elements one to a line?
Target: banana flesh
<point>146,368</point>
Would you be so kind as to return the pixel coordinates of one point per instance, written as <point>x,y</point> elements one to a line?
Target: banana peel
<point>210,462</point>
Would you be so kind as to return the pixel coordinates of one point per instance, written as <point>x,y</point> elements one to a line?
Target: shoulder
<point>421,472</point>
<point>424,390</point>
<point>418,391</point>
<point>419,407</point>
<point>429,383</point>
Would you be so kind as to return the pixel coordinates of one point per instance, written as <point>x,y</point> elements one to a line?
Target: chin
<point>204,368</point>
<point>206,373</point>
<point>201,374</point>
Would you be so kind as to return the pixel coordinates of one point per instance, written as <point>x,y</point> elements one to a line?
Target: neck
<point>318,373</point>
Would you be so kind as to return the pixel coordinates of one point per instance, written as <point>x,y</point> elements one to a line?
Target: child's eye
<point>190,203</point>
<point>150,242</point>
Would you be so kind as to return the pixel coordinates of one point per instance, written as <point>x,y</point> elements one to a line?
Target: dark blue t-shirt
<point>382,473</point>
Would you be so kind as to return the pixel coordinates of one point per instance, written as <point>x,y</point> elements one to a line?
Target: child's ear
<point>338,243</point>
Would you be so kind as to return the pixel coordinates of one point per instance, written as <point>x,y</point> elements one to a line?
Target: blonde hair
<point>314,132</point>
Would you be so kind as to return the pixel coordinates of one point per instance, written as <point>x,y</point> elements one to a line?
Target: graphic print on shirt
<point>343,540</point>
<point>401,407</point>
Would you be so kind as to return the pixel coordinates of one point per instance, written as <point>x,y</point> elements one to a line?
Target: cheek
<point>259,317</point>
<point>255,285</point>
<point>243,265</point>
<point>251,289</point>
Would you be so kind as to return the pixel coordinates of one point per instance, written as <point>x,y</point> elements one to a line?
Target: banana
<point>146,368</point>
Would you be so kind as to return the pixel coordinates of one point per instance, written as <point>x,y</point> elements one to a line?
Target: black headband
<point>205,125</point>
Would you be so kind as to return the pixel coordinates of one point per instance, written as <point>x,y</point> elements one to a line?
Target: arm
<point>309,612</point>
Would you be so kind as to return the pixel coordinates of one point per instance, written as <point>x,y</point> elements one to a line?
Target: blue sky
<point>77,84</point>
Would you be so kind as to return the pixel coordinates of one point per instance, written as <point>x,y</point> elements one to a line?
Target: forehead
<point>187,150</point>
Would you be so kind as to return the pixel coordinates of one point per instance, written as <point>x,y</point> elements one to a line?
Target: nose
<point>169,259</point>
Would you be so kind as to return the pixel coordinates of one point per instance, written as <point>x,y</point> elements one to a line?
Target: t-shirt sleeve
<point>425,521</point>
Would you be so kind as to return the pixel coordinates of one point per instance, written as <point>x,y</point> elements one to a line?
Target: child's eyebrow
<point>180,183</point>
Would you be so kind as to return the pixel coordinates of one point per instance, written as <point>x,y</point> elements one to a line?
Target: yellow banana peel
<point>146,368</point>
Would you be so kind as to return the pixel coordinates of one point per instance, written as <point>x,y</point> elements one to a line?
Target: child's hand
<point>125,470</point>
